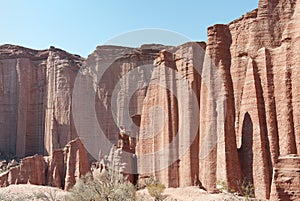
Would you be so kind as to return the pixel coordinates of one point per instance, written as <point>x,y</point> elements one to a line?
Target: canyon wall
<point>227,110</point>
<point>35,108</point>
<point>36,95</point>
<point>109,94</point>
<point>22,100</point>
<point>169,135</point>
<point>248,104</point>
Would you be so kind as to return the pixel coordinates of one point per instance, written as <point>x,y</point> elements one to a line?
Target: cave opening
<point>246,151</point>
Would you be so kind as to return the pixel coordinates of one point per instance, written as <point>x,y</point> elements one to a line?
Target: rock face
<point>168,133</point>
<point>66,165</point>
<point>286,178</point>
<point>36,94</point>
<point>114,85</point>
<point>61,71</point>
<point>31,170</point>
<point>35,99</point>
<point>227,110</point>
<point>248,103</point>
<point>76,162</point>
<point>61,169</point>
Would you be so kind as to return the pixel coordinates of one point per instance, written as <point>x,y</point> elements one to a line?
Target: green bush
<point>248,190</point>
<point>110,185</point>
<point>155,188</point>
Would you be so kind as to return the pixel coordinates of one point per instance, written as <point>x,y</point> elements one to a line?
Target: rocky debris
<point>127,145</point>
<point>3,164</point>
<point>61,169</point>
<point>120,159</point>
<point>12,163</point>
<point>286,178</point>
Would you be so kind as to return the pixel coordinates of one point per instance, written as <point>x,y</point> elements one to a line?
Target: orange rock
<point>286,178</point>
<point>246,115</point>
<point>61,169</point>
<point>76,162</point>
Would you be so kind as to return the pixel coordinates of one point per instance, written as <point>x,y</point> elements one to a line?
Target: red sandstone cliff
<point>169,132</point>
<point>227,110</point>
<point>61,169</point>
<point>253,63</point>
<point>35,108</point>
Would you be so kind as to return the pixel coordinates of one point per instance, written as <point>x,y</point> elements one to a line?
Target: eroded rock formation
<point>169,125</point>
<point>226,110</point>
<point>286,178</point>
<point>121,76</point>
<point>61,169</point>
<point>35,108</point>
<point>253,63</point>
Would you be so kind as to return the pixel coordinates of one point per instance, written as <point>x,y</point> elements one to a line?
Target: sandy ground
<point>191,194</point>
<point>29,192</point>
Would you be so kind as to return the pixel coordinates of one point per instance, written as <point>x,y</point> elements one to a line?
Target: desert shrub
<point>143,183</point>
<point>110,185</point>
<point>248,190</point>
<point>3,170</point>
<point>48,195</point>
<point>155,188</point>
<point>151,180</point>
<point>103,188</point>
<point>223,187</point>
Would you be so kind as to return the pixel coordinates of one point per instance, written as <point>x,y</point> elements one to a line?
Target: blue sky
<point>79,26</point>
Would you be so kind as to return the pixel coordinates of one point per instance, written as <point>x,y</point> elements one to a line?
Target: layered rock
<point>286,178</point>
<point>169,138</point>
<point>76,162</point>
<point>265,92</point>
<point>114,85</point>
<point>66,166</point>
<point>22,96</point>
<point>218,154</point>
<point>35,99</point>
<point>248,102</point>
<point>230,113</point>
<point>61,169</point>
<point>61,72</point>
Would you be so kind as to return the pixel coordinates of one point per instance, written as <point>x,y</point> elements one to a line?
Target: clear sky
<point>79,26</point>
